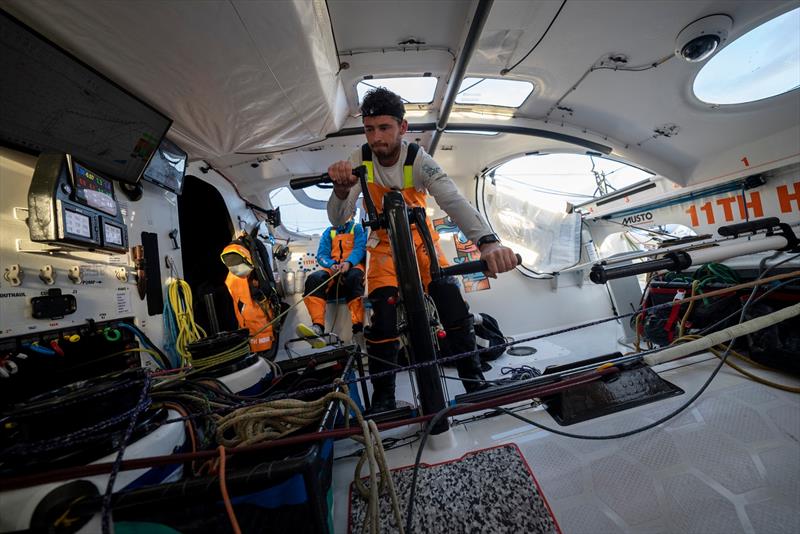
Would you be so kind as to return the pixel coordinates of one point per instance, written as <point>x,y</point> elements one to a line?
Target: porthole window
<point>762,63</point>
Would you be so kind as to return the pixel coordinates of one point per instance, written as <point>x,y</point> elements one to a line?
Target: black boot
<point>383,387</point>
<point>383,399</point>
<point>459,325</point>
<point>462,339</point>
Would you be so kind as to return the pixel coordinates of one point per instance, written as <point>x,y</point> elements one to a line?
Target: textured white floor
<point>729,463</point>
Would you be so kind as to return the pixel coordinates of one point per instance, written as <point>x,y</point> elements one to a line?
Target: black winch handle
<point>470,267</point>
<point>308,181</point>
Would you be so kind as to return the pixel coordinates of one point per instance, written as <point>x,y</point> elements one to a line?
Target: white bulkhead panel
<point>103,284</point>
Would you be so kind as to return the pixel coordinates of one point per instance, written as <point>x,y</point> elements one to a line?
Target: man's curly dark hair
<point>381,101</point>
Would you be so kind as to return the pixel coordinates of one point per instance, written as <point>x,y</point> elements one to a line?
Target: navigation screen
<point>53,102</point>
<point>94,190</point>
<point>167,167</point>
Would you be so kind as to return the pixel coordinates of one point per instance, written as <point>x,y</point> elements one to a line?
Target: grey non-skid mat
<point>491,490</point>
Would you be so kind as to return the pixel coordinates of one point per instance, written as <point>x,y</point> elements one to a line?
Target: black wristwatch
<point>488,238</point>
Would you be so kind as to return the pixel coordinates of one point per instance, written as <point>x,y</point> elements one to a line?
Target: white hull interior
<point>257,94</point>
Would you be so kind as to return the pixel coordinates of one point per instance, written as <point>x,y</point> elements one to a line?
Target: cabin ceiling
<point>244,79</point>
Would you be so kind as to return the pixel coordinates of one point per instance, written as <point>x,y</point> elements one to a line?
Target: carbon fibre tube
<point>422,347</point>
<point>680,260</point>
<point>673,261</point>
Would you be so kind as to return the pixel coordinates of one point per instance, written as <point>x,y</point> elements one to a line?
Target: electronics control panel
<point>70,204</point>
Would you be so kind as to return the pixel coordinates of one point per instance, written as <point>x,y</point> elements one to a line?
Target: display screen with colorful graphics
<point>86,179</point>
<point>94,190</point>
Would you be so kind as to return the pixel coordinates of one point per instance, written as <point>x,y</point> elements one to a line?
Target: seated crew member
<point>250,302</point>
<point>394,164</point>
<point>341,249</point>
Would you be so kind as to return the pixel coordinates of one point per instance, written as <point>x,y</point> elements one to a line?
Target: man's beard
<point>386,152</point>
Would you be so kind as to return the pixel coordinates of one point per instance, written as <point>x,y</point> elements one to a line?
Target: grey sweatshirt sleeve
<point>340,210</point>
<point>449,198</point>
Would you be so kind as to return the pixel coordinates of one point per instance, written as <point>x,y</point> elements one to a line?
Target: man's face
<point>384,134</point>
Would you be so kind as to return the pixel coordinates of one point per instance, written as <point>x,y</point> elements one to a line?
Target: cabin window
<point>762,63</point>
<point>304,211</point>
<point>298,217</point>
<point>525,201</point>
<point>493,92</point>
<point>417,90</point>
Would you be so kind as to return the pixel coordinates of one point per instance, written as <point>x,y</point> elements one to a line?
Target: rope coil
<point>180,301</point>
<point>278,418</point>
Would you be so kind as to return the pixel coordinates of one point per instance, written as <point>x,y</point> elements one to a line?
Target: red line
<point>460,458</point>
<point>539,488</point>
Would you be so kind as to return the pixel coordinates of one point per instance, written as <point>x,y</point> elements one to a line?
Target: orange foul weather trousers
<point>349,286</point>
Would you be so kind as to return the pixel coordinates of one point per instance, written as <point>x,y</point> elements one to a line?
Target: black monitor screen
<point>53,102</point>
<point>167,166</point>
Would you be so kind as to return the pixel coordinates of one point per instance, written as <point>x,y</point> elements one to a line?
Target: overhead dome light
<point>697,41</point>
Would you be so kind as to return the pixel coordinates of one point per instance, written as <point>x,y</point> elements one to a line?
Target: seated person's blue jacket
<point>327,257</point>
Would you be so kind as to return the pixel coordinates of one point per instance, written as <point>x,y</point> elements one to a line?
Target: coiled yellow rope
<point>219,359</point>
<point>180,300</point>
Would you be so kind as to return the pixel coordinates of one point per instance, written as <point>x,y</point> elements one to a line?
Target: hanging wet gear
<point>253,290</point>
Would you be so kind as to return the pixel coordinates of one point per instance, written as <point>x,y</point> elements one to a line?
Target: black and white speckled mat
<point>492,490</point>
